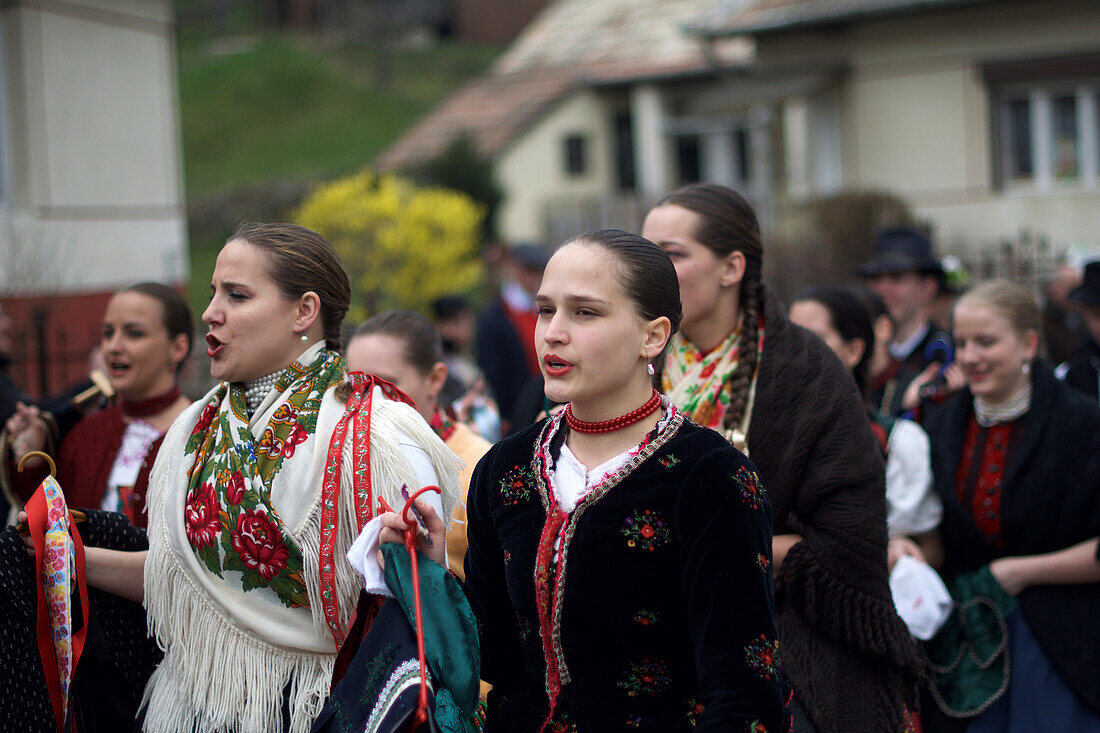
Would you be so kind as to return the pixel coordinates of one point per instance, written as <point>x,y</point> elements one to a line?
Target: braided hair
<point>727,224</point>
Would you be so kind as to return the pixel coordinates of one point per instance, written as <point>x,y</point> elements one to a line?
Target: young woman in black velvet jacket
<point>619,558</point>
<point>1016,458</point>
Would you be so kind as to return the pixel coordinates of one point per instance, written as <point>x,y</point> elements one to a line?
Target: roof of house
<point>766,16</point>
<point>493,110</point>
<point>571,43</point>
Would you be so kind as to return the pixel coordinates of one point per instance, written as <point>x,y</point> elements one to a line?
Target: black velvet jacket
<point>1050,501</point>
<point>657,613</point>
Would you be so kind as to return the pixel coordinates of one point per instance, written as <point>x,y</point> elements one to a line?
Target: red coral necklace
<point>615,423</point>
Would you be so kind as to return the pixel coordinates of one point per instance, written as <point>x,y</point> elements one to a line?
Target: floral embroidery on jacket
<point>752,493</point>
<point>668,461</point>
<point>757,727</point>
<point>762,562</point>
<point>560,723</point>
<point>646,530</point>
<point>645,618</point>
<point>645,678</point>
<point>762,656</point>
<point>695,710</point>
<point>516,486</point>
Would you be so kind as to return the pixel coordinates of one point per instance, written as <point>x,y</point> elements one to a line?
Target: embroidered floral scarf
<point>699,384</point>
<point>229,518</point>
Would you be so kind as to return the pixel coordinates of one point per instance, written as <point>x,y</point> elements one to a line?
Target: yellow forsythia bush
<point>404,245</point>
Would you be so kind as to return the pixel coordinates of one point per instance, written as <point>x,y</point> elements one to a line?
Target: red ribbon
<point>37,520</point>
<point>358,408</point>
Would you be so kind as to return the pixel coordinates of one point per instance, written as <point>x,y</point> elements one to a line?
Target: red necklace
<point>615,423</point>
<point>151,406</point>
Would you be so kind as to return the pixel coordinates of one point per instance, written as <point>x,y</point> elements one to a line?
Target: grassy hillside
<point>266,113</point>
<point>276,109</point>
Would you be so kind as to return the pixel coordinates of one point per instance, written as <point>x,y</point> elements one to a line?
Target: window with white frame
<point>1046,129</point>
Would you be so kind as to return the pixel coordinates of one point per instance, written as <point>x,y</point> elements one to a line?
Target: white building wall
<point>92,118</point>
<point>921,121</point>
<point>916,120</point>
<point>533,171</point>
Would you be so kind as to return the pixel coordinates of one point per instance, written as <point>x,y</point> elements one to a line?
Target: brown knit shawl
<point>845,651</point>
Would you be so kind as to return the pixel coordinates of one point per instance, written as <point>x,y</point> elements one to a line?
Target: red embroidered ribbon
<point>37,521</point>
<point>358,408</point>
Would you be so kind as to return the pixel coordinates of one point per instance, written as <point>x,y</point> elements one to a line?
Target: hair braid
<point>749,353</point>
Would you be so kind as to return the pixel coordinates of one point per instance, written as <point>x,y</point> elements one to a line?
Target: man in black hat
<point>1082,371</point>
<point>905,274</point>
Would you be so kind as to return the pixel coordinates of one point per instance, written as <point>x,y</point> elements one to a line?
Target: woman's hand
<point>1075,565</point>
<point>21,522</point>
<point>28,432</point>
<point>955,376</point>
<point>1004,571</point>
<point>115,571</point>
<point>433,545</point>
<point>902,546</point>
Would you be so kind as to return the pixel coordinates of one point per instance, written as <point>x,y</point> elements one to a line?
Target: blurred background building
<point>982,115</point>
<point>91,186</point>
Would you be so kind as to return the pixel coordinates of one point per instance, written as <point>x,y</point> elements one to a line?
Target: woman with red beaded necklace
<point>619,554</point>
<point>104,462</point>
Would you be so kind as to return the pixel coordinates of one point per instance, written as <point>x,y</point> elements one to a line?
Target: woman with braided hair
<point>780,395</point>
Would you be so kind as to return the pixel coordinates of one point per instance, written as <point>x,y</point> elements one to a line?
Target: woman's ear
<point>437,377</point>
<point>309,311</point>
<point>733,269</point>
<point>852,352</point>
<point>657,333</point>
<point>1031,344</point>
<point>178,349</point>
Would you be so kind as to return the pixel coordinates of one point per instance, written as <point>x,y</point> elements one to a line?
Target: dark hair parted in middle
<point>175,313</point>
<point>300,261</point>
<point>423,346</point>
<point>850,318</point>
<point>727,224</point>
<point>646,275</point>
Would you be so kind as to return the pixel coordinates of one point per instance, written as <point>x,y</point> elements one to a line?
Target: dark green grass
<point>282,110</point>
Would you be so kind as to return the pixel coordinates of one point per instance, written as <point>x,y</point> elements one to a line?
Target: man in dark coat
<point>506,328</point>
<point>1082,370</point>
<point>904,272</point>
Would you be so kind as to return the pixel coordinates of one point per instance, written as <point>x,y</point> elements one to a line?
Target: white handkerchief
<point>920,596</point>
<point>363,556</point>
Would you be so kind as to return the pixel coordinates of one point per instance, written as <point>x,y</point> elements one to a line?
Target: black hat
<point>531,254</point>
<point>1089,293</point>
<point>901,249</point>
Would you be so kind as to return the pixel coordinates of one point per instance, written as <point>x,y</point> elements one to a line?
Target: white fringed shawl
<point>232,657</point>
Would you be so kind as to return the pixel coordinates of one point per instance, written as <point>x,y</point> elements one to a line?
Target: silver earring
<point>649,368</point>
<point>1026,368</point>
<point>304,337</point>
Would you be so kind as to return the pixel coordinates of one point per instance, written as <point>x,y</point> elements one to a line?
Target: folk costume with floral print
<point>701,383</point>
<point>239,587</point>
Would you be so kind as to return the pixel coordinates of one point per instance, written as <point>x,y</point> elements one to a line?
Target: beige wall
<point>533,171</point>
<point>916,119</point>
<point>92,115</point>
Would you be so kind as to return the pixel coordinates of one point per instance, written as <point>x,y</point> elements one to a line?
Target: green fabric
<point>450,631</point>
<point>968,659</point>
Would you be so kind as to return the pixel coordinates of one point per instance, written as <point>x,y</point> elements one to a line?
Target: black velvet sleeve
<point>486,590</point>
<point>723,521</point>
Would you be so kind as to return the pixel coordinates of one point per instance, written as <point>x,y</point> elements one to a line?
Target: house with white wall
<point>91,184</point>
<point>981,114</point>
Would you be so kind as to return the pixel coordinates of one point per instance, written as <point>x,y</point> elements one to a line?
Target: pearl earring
<point>304,337</point>
<point>1026,368</point>
<point>649,368</point>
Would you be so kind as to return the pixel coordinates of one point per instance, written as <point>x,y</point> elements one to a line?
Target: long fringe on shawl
<point>217,678</point>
